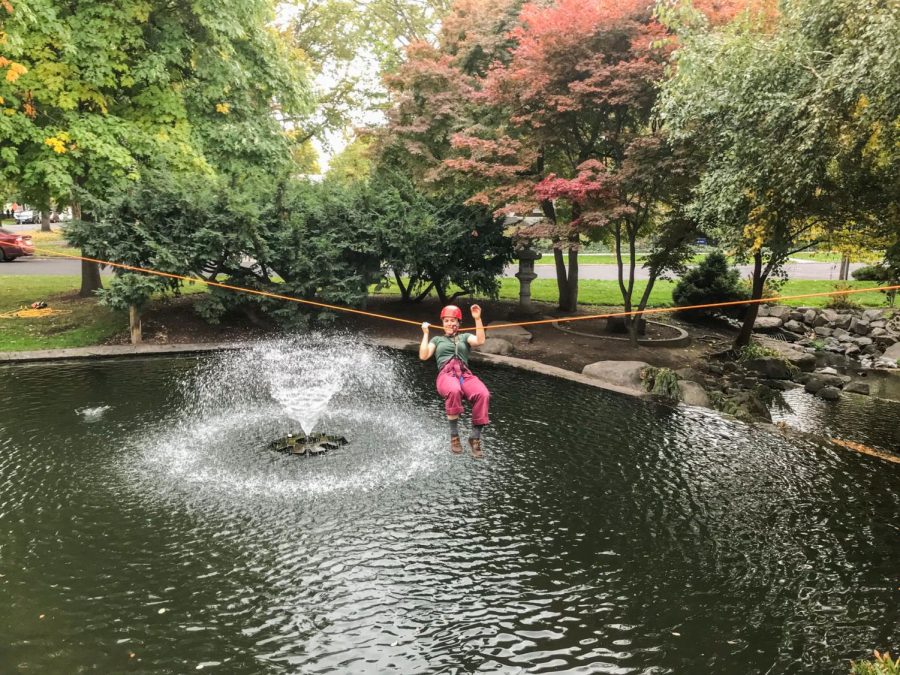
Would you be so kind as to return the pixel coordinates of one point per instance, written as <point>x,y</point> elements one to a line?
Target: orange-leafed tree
<point>573,131</point>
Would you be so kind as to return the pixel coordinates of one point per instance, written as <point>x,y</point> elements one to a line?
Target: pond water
<point>143,527</point>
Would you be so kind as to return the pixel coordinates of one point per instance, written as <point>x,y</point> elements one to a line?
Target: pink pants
<point>455,382</point>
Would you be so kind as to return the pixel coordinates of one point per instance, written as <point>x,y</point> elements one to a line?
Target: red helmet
<point>452,310</point>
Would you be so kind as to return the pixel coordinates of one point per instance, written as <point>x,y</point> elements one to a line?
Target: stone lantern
<point>526,257</point>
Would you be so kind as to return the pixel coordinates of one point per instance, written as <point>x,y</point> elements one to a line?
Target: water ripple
<point>616,536</point>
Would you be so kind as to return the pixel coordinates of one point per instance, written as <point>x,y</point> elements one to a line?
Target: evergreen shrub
<point>713,280</point>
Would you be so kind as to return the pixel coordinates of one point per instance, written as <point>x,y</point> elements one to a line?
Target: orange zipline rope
<point>340,308</point>
<point>657,310</point>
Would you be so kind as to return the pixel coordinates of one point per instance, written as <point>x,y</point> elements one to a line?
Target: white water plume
<point>305,376</point>
<point>302,374</point>
<point>93,414</point>
<point>240,401</point>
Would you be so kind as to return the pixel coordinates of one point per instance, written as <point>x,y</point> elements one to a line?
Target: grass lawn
<point>83,322</point>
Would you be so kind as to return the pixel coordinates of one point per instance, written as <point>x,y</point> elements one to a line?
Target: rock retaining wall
<point>872,336</point>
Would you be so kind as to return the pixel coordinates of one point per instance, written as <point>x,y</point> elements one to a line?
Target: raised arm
<point>426,349</point>
<point>478,339</point>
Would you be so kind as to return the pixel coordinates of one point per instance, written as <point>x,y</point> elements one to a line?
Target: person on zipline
<point>455,381</point>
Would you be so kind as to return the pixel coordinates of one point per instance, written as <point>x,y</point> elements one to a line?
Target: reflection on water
<point>600,534</point>
<point>862,419</point>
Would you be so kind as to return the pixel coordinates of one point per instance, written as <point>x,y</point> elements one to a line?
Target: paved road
<point>797,270</point>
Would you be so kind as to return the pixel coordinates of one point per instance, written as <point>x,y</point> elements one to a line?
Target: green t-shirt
<point>446,348</point>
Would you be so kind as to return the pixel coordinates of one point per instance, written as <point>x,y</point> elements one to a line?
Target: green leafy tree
<point>346,44</point>
<point>354,163</point>
<point>103,88</point>
<point>798,122</point>
<point>435,240</point>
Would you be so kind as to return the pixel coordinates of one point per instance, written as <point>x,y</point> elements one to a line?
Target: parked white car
<point>25,217</point>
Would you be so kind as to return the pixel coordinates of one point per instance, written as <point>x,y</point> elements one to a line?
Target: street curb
<point>122,351</point>
<point>683,339</point>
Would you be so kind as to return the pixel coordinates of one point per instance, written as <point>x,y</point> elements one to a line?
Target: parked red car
<point>14,245</point>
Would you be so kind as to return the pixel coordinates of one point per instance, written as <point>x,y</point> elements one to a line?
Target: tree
<point>574,132</point>
<point>104,88</point>
<point>798,123</point>
<point>319,240</point>
<point>712,281</point>
<point>435,240</point>
<point>354,163</point>
<point>344,44</point>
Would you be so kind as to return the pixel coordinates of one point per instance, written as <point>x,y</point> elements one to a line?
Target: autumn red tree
<point>576,129</point>
<point>550,105</point>
<point>432,92</point>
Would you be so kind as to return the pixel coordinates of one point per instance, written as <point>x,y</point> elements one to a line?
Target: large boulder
<point>765,324</point>
<point>516,335</point>
<point>693,394</point>
<point>813,385</point>
<point>859,326</point>
<point>809,317</point>
<point>818,381</point>
<point>802,360</point>
<point>794,326</point>
<point>805,361</point>
<point>858,388</point>
<point>496,345</point>
<point>843,320</point>
<point>829,393</point>
<point>625,374</point>
<point>781,311</point>
<point>892,353</point>
<point>770,367</point>
<point>830,315</point>
<point>873,314</point>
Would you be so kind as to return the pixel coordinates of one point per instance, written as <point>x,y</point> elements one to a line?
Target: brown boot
<point>476,448</point>
<point>455,446</point>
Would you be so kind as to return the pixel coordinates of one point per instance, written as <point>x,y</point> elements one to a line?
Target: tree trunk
<point>642,305</point>
<point>562,277</point>
<point>404,291</point>
<point>626,290</point>
<point>844,272</point>
<point>90,279</point>
<point>632,321</point>
<point>568,302</point>
<point>90,271</point>
<point>439,288</point>
<point>746,332</point>
<point>45,221</point>
<point>566,280</point>
<point>134,323</point>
